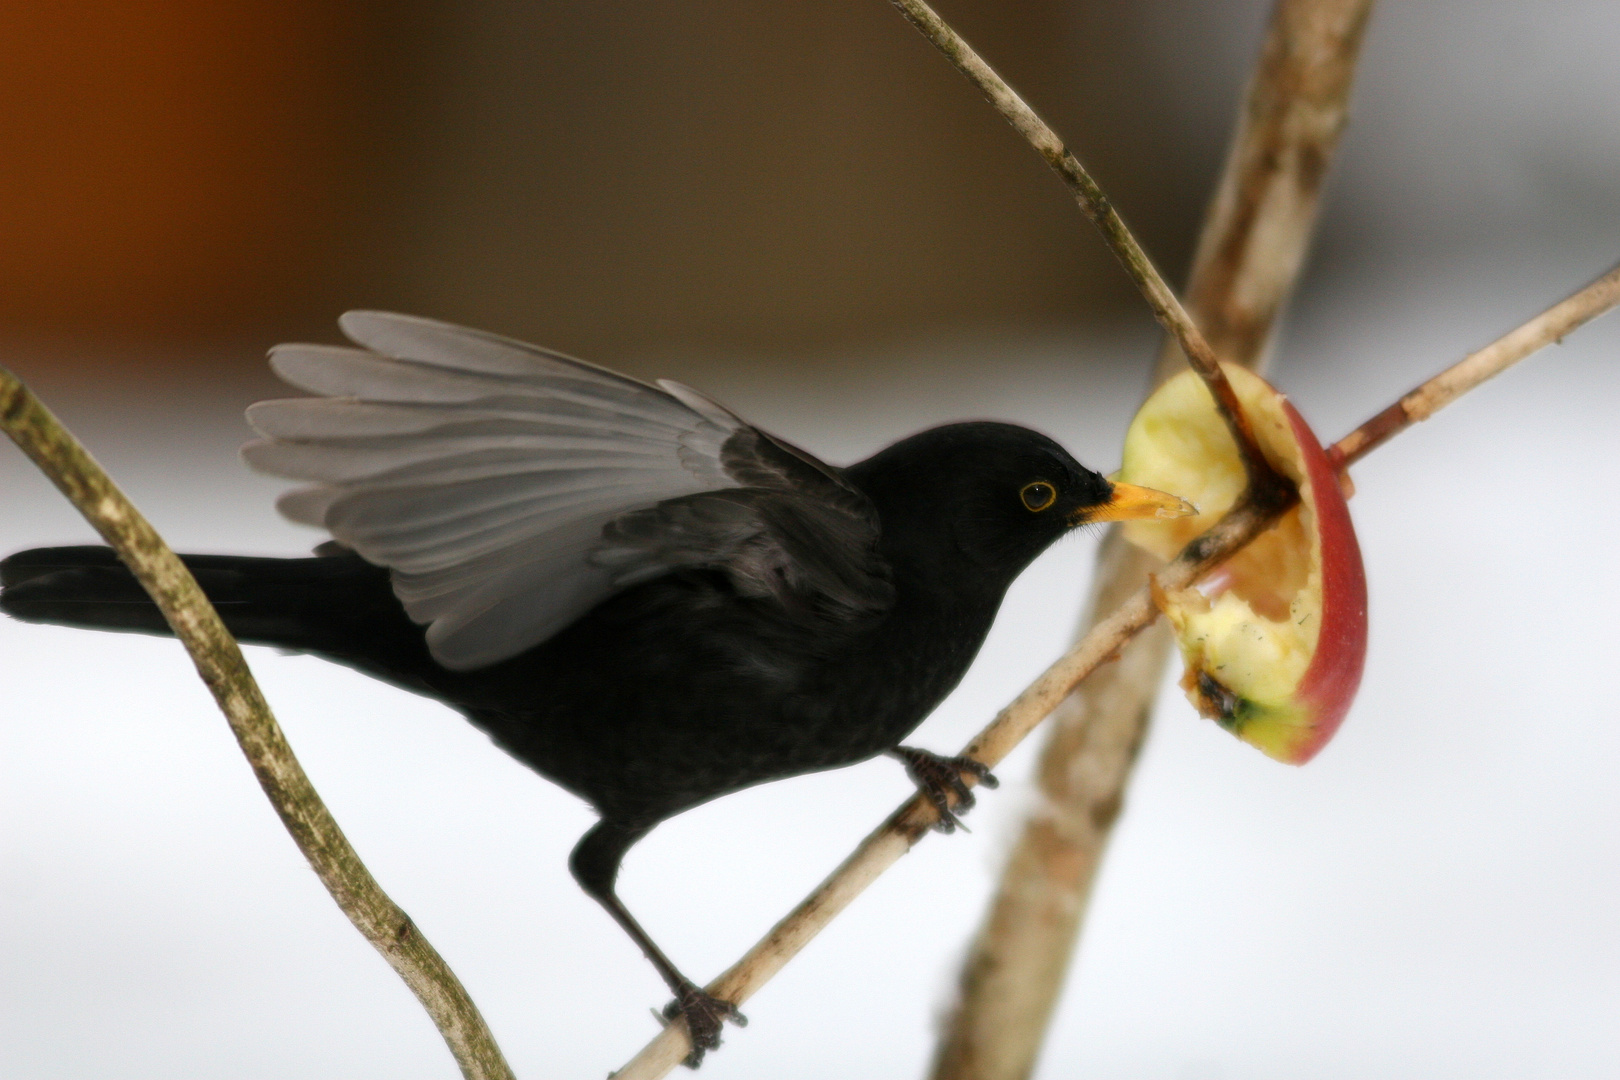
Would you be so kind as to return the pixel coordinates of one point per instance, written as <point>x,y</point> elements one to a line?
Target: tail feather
<point>26,565</point>
<point>337,605</point>
<point>90,587</point>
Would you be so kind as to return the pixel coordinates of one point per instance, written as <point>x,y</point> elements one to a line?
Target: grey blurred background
<point>800,208</point>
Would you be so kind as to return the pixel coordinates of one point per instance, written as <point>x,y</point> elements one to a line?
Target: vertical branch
<point>1249,256</point>
<point>219,662</point>
<point>1260,222</point>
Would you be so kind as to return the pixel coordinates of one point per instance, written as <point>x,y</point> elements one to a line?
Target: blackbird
<point>631,590</point>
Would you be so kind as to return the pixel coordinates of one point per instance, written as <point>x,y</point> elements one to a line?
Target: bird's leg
<point>938,777</point>
<point>595,865</point>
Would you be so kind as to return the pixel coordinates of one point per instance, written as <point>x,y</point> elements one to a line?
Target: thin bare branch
<point>1261,220</point>
<point>1495,358</point>
<point>220,663</point>
<point>1249,255</point>
<point>1267,484</point>
<point>883,847</point>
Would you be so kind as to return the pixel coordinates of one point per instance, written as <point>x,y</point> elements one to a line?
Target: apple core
<point>1275,638</point>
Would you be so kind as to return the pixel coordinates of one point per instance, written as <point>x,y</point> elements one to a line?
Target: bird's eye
<point>1038,496</point>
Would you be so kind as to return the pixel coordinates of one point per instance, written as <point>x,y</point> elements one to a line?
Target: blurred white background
<point>1434,896</point>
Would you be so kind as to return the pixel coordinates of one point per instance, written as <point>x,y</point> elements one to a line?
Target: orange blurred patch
<point>169,168</point>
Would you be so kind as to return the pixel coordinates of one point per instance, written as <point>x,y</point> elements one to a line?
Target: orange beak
<point>1131,502</point>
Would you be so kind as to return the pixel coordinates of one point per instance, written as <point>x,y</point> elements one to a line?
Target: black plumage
<point>629,589</point>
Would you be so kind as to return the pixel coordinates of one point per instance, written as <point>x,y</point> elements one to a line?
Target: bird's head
<point>995,495</point>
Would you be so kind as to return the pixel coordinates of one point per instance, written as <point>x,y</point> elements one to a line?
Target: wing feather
<point>510,489</point>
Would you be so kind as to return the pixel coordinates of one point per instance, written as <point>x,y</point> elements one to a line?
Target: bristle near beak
<point>1130,502</point>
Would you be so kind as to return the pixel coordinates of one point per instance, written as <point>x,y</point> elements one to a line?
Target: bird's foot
<point>938,777</point>
<point>704,1015</point>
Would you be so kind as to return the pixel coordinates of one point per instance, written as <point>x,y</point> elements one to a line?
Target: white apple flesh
<point>1274,640</point>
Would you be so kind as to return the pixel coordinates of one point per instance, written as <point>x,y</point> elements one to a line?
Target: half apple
<point>1275,638</point>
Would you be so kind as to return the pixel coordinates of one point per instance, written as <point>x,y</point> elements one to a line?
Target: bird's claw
<point>704,1014</point>
<point>938,777</point>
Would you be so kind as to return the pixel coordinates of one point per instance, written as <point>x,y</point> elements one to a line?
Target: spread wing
<point>510,489</point>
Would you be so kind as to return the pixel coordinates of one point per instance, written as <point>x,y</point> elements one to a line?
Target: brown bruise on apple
<point>1274,639</point>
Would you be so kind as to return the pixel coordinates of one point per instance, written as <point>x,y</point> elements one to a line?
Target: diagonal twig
<point>1266,484</point>
<point>220,663</point>
<point>1249,254</point>
<point>1545,329</point>
<point>884,846</point>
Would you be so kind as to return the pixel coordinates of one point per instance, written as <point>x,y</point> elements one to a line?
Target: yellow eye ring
<point>1038,496</point>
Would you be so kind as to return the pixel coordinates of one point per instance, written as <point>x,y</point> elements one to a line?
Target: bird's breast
<point>871,694</point>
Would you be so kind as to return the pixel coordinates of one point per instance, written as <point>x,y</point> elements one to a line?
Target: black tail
<point>337,605</point>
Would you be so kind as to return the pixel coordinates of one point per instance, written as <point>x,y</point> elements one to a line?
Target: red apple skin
<point>1334,673</point>
<point>1289,723</point>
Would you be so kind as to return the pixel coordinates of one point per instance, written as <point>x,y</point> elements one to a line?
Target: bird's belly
<point>643,720</point>
<point>657,755</point>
